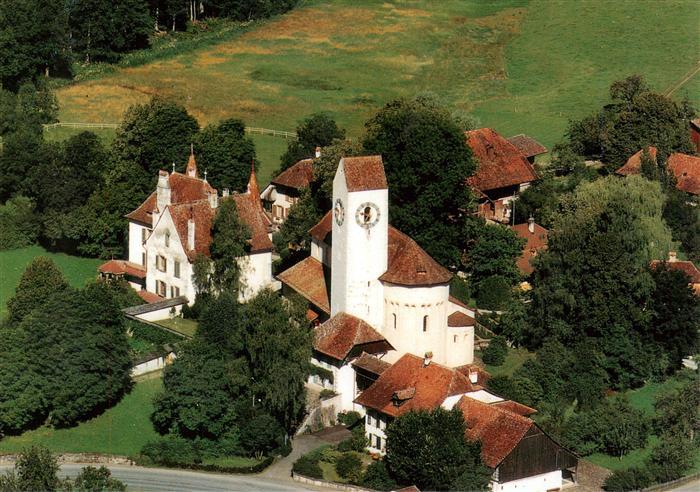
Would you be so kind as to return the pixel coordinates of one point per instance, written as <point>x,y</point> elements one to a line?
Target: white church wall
<point>321,251</point>
<point>136,246</point>
<point>459,346</point>
<point>411,305</point>
<point>172,252</point>
<point>536,483</point>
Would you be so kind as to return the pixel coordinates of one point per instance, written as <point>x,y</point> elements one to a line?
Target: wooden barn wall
<point>535,454</point>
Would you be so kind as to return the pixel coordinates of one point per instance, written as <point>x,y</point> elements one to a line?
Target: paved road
<point>688,487</point>
<point>141,479</point>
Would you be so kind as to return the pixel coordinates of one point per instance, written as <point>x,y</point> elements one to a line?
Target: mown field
<point>121,430</point>
<point>516,65</point>
<point>12,264</point>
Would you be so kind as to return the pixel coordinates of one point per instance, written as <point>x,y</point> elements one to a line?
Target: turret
<point>163,191</point>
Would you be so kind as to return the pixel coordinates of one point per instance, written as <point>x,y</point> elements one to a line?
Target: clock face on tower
<point>367,215</point>
<point>339,212</point>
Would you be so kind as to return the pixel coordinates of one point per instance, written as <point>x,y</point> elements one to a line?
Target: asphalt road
<point>693,486</point>
<point>140,479</point>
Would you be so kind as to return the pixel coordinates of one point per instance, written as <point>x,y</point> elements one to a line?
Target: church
<point>173,226</point>
<point>375,293</point>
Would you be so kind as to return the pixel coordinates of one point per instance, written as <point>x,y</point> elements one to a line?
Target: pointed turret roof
<point>191,164</point>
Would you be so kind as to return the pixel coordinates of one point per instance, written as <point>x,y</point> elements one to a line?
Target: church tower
<point>360,235</point>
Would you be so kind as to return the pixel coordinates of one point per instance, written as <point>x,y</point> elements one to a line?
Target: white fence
<point>100,126</point>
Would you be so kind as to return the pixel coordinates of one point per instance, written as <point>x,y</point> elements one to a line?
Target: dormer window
<point>402,396</point>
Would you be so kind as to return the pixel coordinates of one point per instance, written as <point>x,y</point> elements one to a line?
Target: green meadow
<point>515,65</point>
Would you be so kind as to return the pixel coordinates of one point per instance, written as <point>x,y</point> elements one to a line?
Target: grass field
<point>185,326</point>
<point>514,359</point>
<point>12,264</point>
<point>121,430</point>
<point>516,65</point>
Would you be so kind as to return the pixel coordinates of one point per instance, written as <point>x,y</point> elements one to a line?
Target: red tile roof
<point>183,189</point>
<point>251,213</point>
<point>123,267</point>
<point>149,297</point>
<point>364,173</point>
<point>308,279</point>
<point>456,301</point>
<point>515,407</point>
<point>340,334</point>
<point>500,163</point>
<point>458,318</point>
<point>686,169</point>
<point>634,163</point>
<point>297,176</point>
<point>498,429</point>
<point>535,242</point>
<point>371,363</point>
<point>687,267</point>
<point>407,263</point>
<point>432,385</point>
<point>528,146</point>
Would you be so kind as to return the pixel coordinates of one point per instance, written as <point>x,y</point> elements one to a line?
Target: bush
<point>171,450</point>
<point>349,419</point>
<point>261,435</point>
<point>307,466</point>
<point>630,479</point>
<point>670,459</point>
<point>493,293</point>
<point>357,442</point>
<point>326,394</point>
<point>495,353</point>
<point>92,479</point>
<point>349,466</point>
<point>18,224</point>
<point>377,477</point>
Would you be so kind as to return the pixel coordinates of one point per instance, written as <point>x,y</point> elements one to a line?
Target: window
<point>377,442</point>
<point>277,212</point>
<point>167,239</point>
<point>161,263</point>
<point>144,234</point>
<point>176,269</point>
<point>454,338</point>
<point>394,317</point>
<point>425,323</point>
<point>174,291</point>
<point>143,259</point>
<point>161,288</point>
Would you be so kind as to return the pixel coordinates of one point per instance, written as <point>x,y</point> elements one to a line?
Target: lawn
<point>77,270</point>
<point>516,65</point>
<point>121,430</point>
<point>185,326</point>
<point>514,359</point>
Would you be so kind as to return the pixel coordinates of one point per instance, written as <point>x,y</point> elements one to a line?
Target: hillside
<point>516,65</point>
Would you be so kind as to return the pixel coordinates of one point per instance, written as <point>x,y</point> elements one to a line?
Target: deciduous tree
<point>226,154</point>
<point>318,130</point>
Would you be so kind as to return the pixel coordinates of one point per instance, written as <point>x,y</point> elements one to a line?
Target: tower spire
<point>191,170</point>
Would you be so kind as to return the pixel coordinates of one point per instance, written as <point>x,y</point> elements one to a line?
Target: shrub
<point>493,293</point>
<point>357,442</point>
<point>670,459</point>
<point>349,419</point>
<point>495,353</point>
<point>630,479</point>
<point>308,467</point>
<point>96,479</point>
<point>18,224</point>
<point>326,394</point>
<point>349,466</point>
<point>377,477</point>
<point>171,450</point>
<point>261,435</point>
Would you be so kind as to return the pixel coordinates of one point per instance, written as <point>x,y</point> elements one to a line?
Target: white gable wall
<point>136,246</point>
<point>536,483</point>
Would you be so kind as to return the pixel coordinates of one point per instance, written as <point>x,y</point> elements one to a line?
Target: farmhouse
<point>528,147</point>
<point>173,226</point>
<point>685,168</point>
<point>285,189</point>
<point>502,172</point>
<point>375,290</point>
<point>521,455</point>
<point>687,267</point>
<point>535,241</point>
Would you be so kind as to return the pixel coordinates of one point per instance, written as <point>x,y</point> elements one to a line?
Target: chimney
<point>531,224</point>
<point>473,376</point>
<point>213,199</point>
<point>672,257</point>
<point>190,234</point>
<point>427,359</point>
<point>225,192</point>
<point>318,152</point>
<point>163,191</point>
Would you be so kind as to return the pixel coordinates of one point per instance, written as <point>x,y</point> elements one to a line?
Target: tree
<point>23,151</point>
<point>682,217</point>
<point>278,348</point>
<point>229,243</point>
<point>91,479</point>
<point>37,469</point>
<point>226,153</point>
<point>601,245</point>
<point>635,119</point>
<point>675,320</point>
<point>429,450</point>
<point>34,41</point>
<point>292,240</point>
<point>318,130</point>
<point>495,353</point>
<point>155,135</point>
<point>40,280</point>
<point>349,466</point>
<point>677,411</point>
<point>261,435</point>
<point>670,459</point>
<point>491,250</point>
<point>19,226</point>
<point>377,477</point>
<point>426,163</point>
